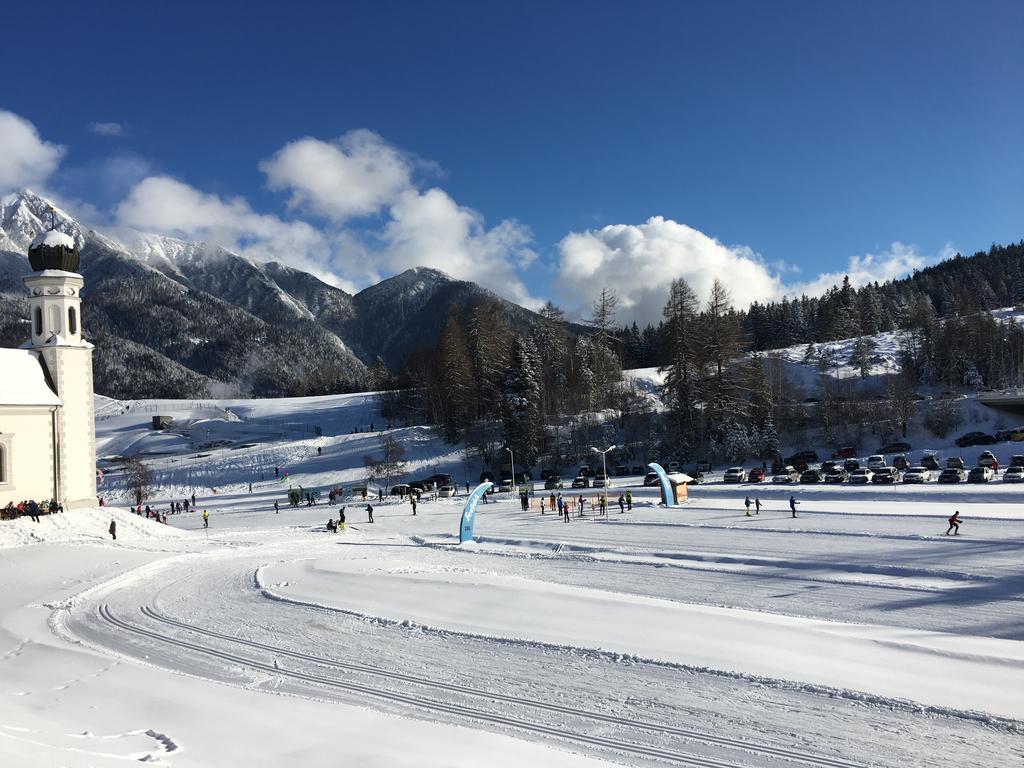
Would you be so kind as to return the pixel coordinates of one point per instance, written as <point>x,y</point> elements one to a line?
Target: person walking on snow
<point>757,505</point>
<point>954,522</point>
<point>113,530</point>
<point>341,519</point>
<point>629,500</point>
<point>622,504</point>
<point>369,512</point>
<point>206,519</point>
<point>746,503</point>
<point>277,508</point>
<point>792,504</point>
<point>412,498</point>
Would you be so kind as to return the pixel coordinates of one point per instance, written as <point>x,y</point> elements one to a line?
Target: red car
<point>756,475</point>
<point>848,452</point>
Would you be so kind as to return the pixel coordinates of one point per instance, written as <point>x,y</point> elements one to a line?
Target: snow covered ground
<point>855,634</point>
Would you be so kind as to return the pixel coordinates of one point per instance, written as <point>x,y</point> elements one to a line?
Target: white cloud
<point>640,260</point>
<point>898,261</point>
<point>355,175</point>
<point>107,129</point>
<point>24,157</point>
<point>430,229</point>
<point>165,205</point>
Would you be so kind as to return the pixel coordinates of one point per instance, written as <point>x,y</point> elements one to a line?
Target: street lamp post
<point>604,462</point>
<point>515,485</point>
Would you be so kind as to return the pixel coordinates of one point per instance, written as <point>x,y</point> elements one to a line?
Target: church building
<point>47,428</point>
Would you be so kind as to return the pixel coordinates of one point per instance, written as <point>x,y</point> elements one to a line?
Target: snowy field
<point>856,634</point>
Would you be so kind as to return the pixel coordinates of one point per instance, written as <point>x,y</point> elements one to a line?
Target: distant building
<point>47,427</point>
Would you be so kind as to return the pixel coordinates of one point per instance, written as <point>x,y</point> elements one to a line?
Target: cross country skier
<point>757,505</point>
<point>206,519</point>
<point>746,503</point>
<point>369,511</point>
<point>792,504</point>
<point>954,522</point>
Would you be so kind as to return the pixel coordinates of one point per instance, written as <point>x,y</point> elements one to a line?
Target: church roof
<point>23,380</point>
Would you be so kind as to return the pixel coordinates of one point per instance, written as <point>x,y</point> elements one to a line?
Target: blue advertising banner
<point>666,486</point>
<point>469,512</point>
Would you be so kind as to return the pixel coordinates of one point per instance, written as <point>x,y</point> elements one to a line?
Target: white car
<point>787,475</point>
<point>446,491</point>
<point>917,475</point>
<point>876,462</point>
<point>980,474</point>
<point>734,475</point>
<point>1014,475</point>
<point>861,476</point>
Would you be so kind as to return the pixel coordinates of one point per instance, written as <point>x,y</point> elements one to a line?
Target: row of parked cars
<point>878,472</point>
<point>444,485</point>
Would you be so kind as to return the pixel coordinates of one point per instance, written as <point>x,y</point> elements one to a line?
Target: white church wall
<point>25,438</point>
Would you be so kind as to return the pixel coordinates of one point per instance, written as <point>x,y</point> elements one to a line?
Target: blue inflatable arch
<point>666,486</point>
<point>469,512</point>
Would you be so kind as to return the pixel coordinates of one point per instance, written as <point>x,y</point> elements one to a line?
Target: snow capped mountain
<point>179,318</point>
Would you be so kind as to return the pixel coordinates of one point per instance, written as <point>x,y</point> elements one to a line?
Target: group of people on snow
<point>30,508</point>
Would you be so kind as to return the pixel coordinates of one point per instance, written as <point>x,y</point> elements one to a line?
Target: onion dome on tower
<point>53,250</point>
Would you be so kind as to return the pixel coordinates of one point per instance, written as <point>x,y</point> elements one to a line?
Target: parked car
<point>734,475</point>
<point>703,466</point>
<point>930,461</point>
<point>848,452</point>
<point>581,481</point>
<point>417,485</point>
<point>886,475</point>
<point>1014,474</point>
<point>553,482</point>
<point>897,447</point>
<point>446,491</point>
<point>809,457</point>
<point>1017,460</point>
<point>851,465</point>
<point>756,475</point>
<point>621,470</point>
<point>980,474</point>
<point>1004,435</point>
<point>787,475</point>
<point>585,471</point>
<point>988,459</point>
<point>837,475</point>
<point>876,462</point>
<point>673,466</point>
<point>1018,435</point>
<point>505,487</point>
<point>900,462</point>
<point>954,462</point>
<point>444,479</point>
<point>600,480</point>
<point>917,475</point>
<point>952,475</point>
<point>400,490</point>
<point>861,476</point>
<point>696,478</point>
<point>975,438</point>
<point>811,476</point>
<point>651,478</point>
<point>827,466</point>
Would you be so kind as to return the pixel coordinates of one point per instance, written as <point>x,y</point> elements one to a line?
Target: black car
<point>807,457</point>
<point>895,448</point>
<point>900,462</point>
<point>581,482</point>
<point>651,478</point>
<point>442,479</point>
<point>828,466</point>
<point>851,465</point>
<point>621,471</point>
<point>975,438</point>
<point>800,465</point>
<point>810,476</point>
<point>928,461</point>
<point>551,482</point>
<point>952,475</point>
<point>955,462</point>
<point>886,475</point>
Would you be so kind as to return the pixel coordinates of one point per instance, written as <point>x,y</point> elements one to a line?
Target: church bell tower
<point>54,298</point>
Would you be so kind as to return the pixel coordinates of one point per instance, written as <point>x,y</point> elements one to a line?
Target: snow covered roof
<point>679,477</point>
<point>23,381</point>
<point>52,237</point>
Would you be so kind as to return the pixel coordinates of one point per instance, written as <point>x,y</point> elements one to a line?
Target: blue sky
<point>775,142</point>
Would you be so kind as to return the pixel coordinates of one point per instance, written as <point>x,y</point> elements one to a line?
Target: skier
<point>746,503</point>
<point>792,504</point>
<point>250,487</point>
<point>206,519</point>
<point>954,522</point>
<point>757,505</point>
<point>341,519</point>
<point>604,504</point>
<point>277,508</point>
<point>369,511</point>
<point>412,498</point>
<point>622,504</point>
<point>193,498</point>
<point>579,499</point>
<point>542,505</point>
<point>629,500</point>
<point>113,530</point>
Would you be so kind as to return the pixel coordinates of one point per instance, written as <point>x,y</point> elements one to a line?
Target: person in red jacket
<point>954,522</point>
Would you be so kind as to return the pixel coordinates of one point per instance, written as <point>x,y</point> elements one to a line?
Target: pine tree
<point>520,402</point>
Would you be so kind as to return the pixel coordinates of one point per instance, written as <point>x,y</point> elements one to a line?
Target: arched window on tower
<point>72,321</point>
<point>37,321</point>
<point>55,319</point>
